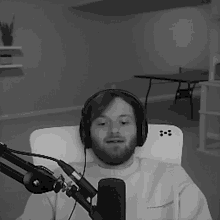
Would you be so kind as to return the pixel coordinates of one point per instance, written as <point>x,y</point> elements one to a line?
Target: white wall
<point>68,55</point>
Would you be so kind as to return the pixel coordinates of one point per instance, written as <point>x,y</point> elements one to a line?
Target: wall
<point>68,55</point>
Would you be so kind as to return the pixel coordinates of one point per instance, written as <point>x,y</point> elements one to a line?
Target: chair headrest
<point>164,142</point>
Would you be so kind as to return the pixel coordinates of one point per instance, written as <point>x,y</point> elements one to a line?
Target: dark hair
<point>103,101</point>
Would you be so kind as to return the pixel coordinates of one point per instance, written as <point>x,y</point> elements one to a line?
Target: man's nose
<point>114,127</point>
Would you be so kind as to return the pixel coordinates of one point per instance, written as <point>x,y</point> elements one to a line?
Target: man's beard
<point>109,157</point>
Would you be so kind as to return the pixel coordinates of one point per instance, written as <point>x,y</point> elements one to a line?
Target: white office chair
<point>164,142</point>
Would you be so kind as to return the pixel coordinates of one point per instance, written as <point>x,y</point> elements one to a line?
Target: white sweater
<point>154,190</point>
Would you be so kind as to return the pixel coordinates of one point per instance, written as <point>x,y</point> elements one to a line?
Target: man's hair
<point>98,105</point>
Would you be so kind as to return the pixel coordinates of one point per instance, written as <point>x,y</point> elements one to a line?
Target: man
<point>154,189</point>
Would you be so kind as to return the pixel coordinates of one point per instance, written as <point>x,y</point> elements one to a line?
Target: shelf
<point>11,66</point>
<point>209,113</point>
<point>215,83</point>
<point>213,136</point>
<point>11,50</point>
<point>11,72</point>
<point>215,152</point>
<point>212,148</point>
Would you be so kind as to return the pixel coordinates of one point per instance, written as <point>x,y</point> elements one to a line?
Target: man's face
<point>113,134</point>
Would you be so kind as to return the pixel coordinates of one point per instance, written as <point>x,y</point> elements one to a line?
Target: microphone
<point>86,188</point>
<point>111,199</point>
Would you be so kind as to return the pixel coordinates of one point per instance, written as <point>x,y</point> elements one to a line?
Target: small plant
<point>7,32</point>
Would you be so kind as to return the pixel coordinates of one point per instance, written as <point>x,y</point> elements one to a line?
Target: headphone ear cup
<point>82,132</point>
<point>144,131</point>
<point>141,136</point>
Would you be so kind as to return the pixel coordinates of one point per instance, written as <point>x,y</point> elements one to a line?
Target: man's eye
<point>125,122</point>
<point>101,123</point>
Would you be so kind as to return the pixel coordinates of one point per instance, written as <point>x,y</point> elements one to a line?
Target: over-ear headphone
<point>140,113</point>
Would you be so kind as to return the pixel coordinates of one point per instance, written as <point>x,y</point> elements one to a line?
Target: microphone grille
<point>111,200</point>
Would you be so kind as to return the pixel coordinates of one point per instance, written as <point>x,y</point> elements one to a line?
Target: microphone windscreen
<point>111,199</point>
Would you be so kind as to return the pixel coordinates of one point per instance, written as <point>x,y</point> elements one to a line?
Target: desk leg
<point>177,92</point>
<point>148,91</point>
<point>191,100</point>
<point>191,97</point>
<point>185,93</point>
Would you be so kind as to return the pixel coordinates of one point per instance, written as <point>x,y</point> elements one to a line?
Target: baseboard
<point>151,99</point>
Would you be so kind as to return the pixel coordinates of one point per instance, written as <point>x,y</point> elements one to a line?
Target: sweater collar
<point>116,172</point>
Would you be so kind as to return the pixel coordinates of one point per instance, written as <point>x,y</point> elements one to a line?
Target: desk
<point>189,76</point>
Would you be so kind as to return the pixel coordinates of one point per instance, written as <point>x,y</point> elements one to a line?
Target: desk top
<point>190,76</point>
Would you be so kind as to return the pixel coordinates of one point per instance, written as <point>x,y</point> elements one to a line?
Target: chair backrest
<point>164,142</point>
